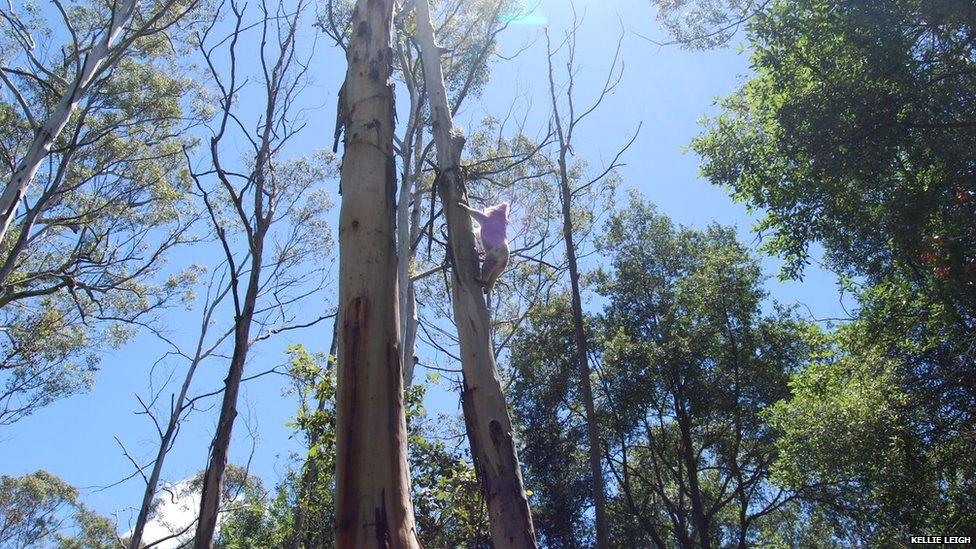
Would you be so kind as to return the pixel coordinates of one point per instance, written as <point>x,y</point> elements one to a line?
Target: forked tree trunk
<point>373,507</point>
<point>485,412</point>
<point>49,130</point>
<point>166,440</point>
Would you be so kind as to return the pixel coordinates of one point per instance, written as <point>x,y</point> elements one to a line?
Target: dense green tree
<point>544,392</point>
<point>856,133</point>
<point>856,442</point>
<point>690,356</point>
<point>691,362</point>
<point>41,510</point>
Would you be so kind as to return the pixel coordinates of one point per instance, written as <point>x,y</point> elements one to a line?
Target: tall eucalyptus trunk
<point>373,507</point>
<point>486,415</point>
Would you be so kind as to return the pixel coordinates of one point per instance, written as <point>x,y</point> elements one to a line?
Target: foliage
<point>253,521</point>
<point>851,439</point>
<point>448,506</point>
<point>83,263</point>
<point>690,364</point>
<point>702,24</point>
<point>687,364</point>
<point>856,134</point>
<point>41,510</point>
<point>447,498</point>
<point>270,522</point>
<point>544,394</point>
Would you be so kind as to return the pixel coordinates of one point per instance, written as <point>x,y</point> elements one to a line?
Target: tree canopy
<point>644,372</point>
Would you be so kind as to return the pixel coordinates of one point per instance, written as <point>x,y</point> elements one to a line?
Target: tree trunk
<point>51,128</point>
<point>408,312</point>
<point>408,220</point>
<point>213,479</point>
<point>485,412</point>
<point>582,350</point>
<point>579,329</point>
<point>373,507</point>
<point>687,452</point>
<point>407,293</point>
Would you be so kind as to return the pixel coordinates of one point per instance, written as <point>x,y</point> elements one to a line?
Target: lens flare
<point>530,19</point>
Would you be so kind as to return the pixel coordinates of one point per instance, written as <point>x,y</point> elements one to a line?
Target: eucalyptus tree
<point>466,34</point>
<point>490,431</point>
<point>103,38</point>
<point>265,210</point>
<point>41,510</point>
<point>373,506</point>
<point>99,202</point>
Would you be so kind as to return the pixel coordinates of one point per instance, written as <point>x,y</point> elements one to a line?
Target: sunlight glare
<point>529,19</point>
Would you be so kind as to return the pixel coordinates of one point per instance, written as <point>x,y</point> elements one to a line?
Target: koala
<point>491,235</point>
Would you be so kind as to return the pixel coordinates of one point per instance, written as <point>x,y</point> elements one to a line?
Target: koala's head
<point>499,208</point>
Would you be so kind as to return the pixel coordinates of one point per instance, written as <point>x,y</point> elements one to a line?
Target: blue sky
<point>666,88</point>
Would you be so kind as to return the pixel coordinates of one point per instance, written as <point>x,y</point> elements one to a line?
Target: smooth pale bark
<point>408,220</point>
<point>95,62</point>
<point>485,412</point>
<point>406,231</point>
<point>413,322</point>
<point>408,304</point>
<point>410,322</point>
<point>373,507</point>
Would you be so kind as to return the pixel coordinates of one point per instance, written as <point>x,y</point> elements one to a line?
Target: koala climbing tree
<point>486,416</point>
<point>491,235</point>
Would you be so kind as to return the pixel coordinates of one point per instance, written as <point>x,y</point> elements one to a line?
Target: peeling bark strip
<point>485,411</point>
<point>373,507</point>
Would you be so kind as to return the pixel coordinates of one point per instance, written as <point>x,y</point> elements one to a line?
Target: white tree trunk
<point>407,297</point>
<point>373,507</point>
<point>50,129</point>
<point>408,224</point>
<point>485,412</point>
